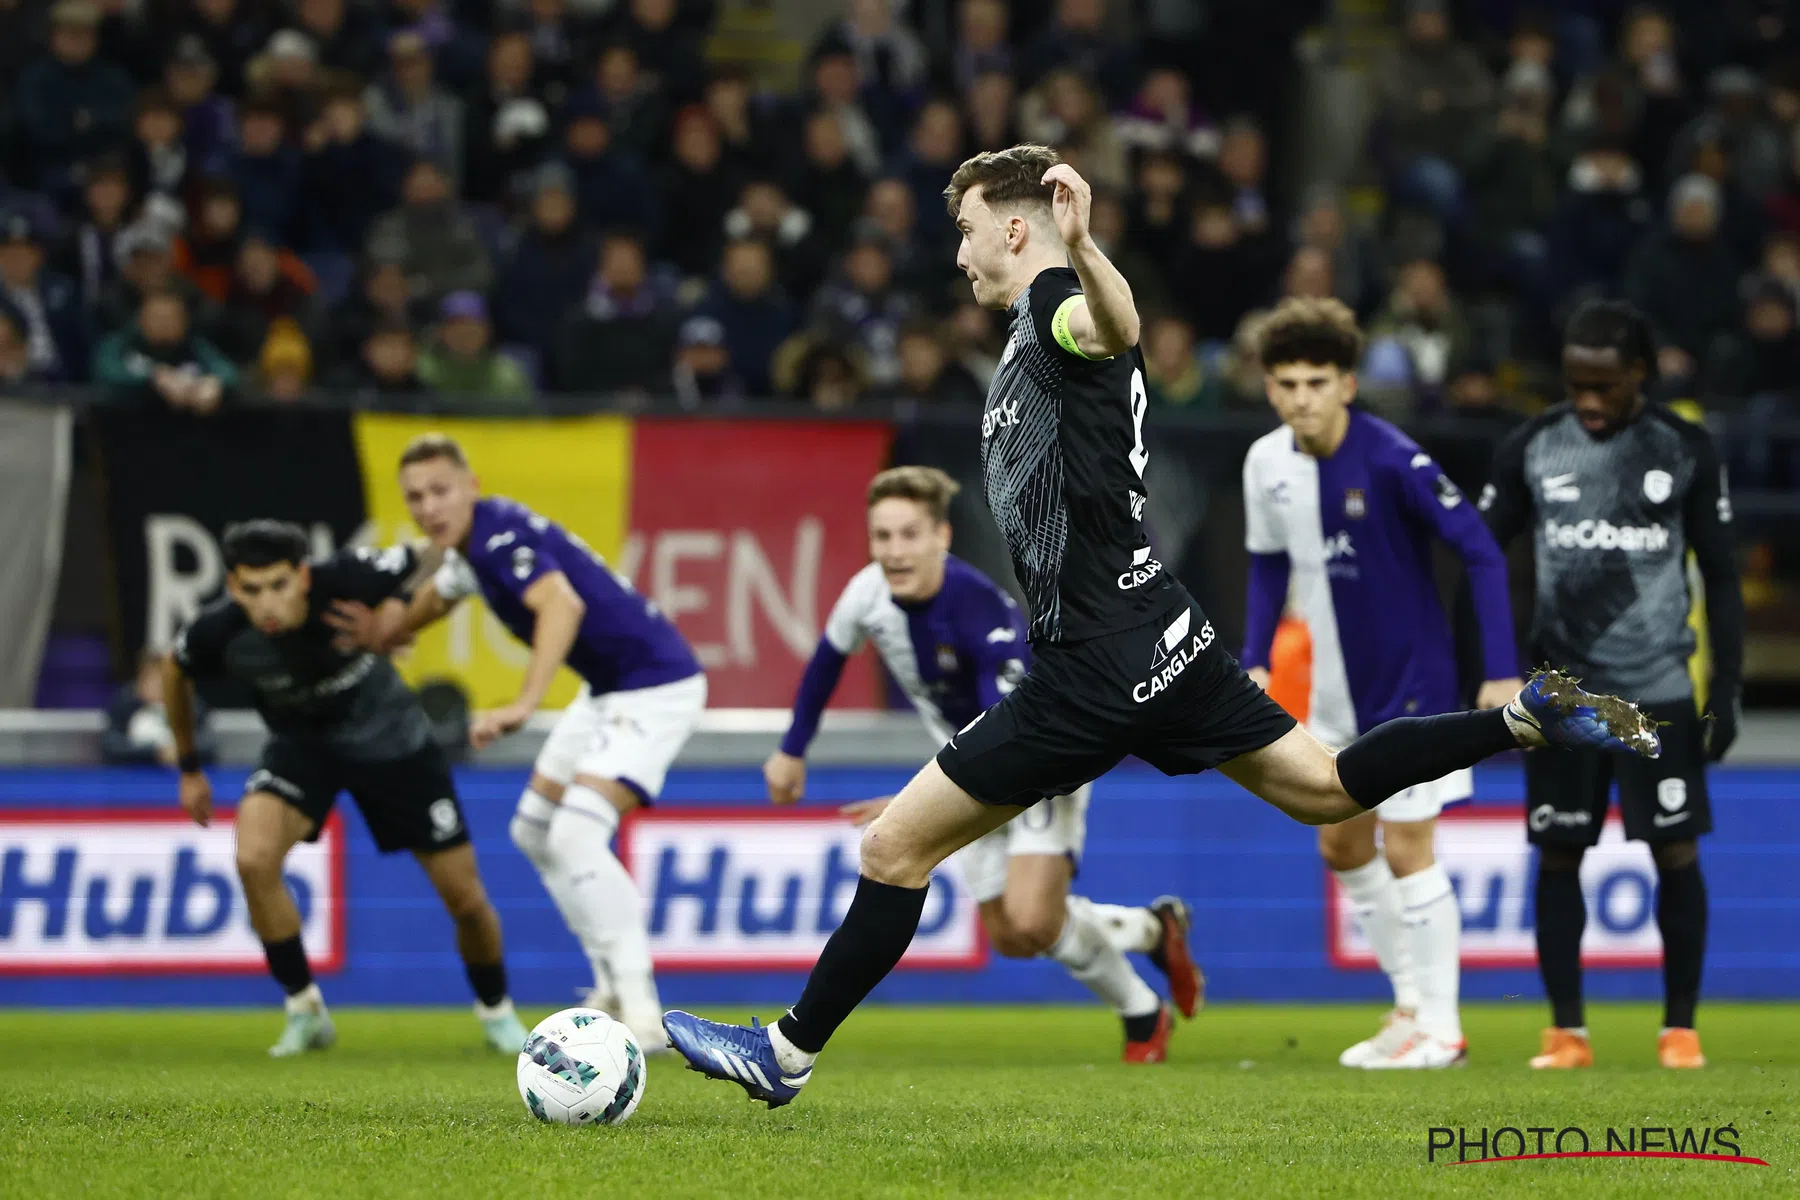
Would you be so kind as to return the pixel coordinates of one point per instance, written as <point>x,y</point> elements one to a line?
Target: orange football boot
<point>1563,1050</point>
<point>1679,1048</point>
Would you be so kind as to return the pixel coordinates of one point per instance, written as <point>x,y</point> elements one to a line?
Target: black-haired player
<point>1617,490</point>
<point>1125,662</point>
<point>339,720</point>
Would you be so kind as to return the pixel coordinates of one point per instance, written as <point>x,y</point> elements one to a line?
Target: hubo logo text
<point>1604,535</point>
<point>122,891</point>
<point>756,891</point>
<point>1514,1143</point>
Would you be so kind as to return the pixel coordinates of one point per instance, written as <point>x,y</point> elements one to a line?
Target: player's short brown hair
<point>1012,176</point>
<point>1317,332</point>
<point>922,485</point>
<point>428,447</point>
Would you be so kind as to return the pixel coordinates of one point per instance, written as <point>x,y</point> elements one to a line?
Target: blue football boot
<point>742,1056</point>
<point>1553,710</point>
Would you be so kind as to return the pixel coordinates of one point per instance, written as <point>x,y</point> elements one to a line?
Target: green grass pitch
<point>984,1102</point>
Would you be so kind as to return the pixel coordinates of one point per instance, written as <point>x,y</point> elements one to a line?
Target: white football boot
<point>1397,1029</point>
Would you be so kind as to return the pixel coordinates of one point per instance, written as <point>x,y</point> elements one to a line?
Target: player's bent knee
<point>887,857</point>
<point>258,867</point>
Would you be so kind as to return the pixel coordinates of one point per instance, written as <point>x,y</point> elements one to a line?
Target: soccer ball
<point>581,1067</point>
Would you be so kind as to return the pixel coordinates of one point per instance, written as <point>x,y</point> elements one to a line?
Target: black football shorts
<point>1662,799</point>
<point>1166,692</point>
<point>409,803</point>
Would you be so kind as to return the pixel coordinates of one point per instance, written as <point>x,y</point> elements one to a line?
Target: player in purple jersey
<point>643,692</point>
<point>1343,507</point>
<point>955,643</point>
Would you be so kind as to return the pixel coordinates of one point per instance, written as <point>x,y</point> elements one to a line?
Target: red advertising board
<point>744,532</point>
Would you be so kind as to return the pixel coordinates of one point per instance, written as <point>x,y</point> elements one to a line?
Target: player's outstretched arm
<point>785,771</point>
<point>559,610</point>
<point>1107,324</point>
<point>178,701</point>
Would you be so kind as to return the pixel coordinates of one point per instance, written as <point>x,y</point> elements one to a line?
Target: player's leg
<point>287,799</point>
<point>1159,931</point>
<point>1665,803</point>
<point>457,880</point>
<point>1565,797</point>
<point>1349,851</point>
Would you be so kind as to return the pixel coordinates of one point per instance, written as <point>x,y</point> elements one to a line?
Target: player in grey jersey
<point>1617,491</point>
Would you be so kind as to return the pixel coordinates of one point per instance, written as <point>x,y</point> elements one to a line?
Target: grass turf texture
<point>908,1102</point>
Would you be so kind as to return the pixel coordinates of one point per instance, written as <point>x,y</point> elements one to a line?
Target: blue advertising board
<point>108,898</point>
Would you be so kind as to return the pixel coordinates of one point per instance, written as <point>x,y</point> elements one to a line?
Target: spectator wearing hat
<point>49,306</point>
<point>284,364</point>
<point>72,105</point>
<point>621,334</point>
<point>266,170</point>
<point>611,187</point>
<point>433,240</point>
<point>703,372</point>
<point>461,363</point>
<point>144,252</point>
<point>349,176</point>
<point>1684,278</point>
<point>548,270</point>
<point>407,106</point>
<point>87,255</point>
<point>766,213</point>
<point>508,126</point>
<point>208,123</point>
<point>159,362</point>
<point>695,191</point>
<point>863,308</point>
<point>288,78</point>
<point>384,367</point>
<point>749,305</point>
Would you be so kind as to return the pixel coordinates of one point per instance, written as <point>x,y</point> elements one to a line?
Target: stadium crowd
<point>432,200</point>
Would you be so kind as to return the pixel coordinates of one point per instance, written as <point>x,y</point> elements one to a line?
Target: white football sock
<point>307,1000</point>
<point>1085,952</point>
<point>1130,929</point>
<point>792,1058</point>
<point>1434,942</point>
<point>530,831</point>
<point>607,903</point>
<point>1376,897</point>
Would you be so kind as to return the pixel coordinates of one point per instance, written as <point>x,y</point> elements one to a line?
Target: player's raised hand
<point>360,627</point>
<point>785,776</point>
<point>494,724</point>
<point>1498,693</point>
<point>1070,204</point>
<point>862,812</point>
<point>196,797</point>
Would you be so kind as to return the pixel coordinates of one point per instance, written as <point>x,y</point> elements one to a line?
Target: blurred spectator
<point>159,361</point>
<point>266,171</point>
<point>751,310</point>
<point>208,125</point>
<point>1172,374</point>
<point>1423,330</point>
<point>696,191</point>
<point>1431,91</point>
<point>343,36</point>
<point>924,270</point>
<point>1066,111</point>
<point>928,373</point>
<point>746,134</point>
<point>835,188</point>
<point>666,49</point>
<point>1783,203</point>
<point>1781,260</point>
<point>976,339</point>
<point>350,176</point>
<point>284,365</point>
<point>1244,162</point>
<point>207,255</point>
<point>1741,219</point>
<point>890,59</point>
<point>137,722</point>
<point>455,54</point>
<point>231,31</point>
<point>408,107</point>
<point>435,243</point>
<point>461,364</point>
<point>1217,276</point>
<point>15,349</point>
<point>1156,223</point>
<point>385,365</point>
<point>1309,275</point>
<point>49,306</point>
<point>1078,38</point>
<point>990,111</point>
<point>982,46</point>
<point>1684,278</point>
<point>767,214</point>
<point>635,110</point>
<point>621,337</point>
<point>1325,224</point>
<point>268,285</point>
<point>288,78</point>
<point>610,185</point>
<point>508,126</point>
<point>1513,179</point>
<point>555,38</point>
<point>1762,355</point>
<point>88,254</point>
<point>1163,116</point>
<point>146,261</point>
<point>934,151</point>
<point>158,159</point>
<point>1107,224</point>
<point>1602,215</point>
<point>835,90</point>
<point>1642,98</point>
<point>703,370</point>
<point>382,296</point>
<point>862,308</point>
<point>547,272</point>
<point>828,376</point>
<point>1736,119</point>
<point>72,105</point>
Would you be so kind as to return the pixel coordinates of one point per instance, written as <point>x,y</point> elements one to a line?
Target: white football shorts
<point>1054,826</point>
<point>631,736</point>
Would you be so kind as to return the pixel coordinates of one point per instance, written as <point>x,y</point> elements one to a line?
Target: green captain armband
<point>1059,327</point>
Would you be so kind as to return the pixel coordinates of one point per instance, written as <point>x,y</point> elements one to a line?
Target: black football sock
<point>1561,918</point>
<point>875,933</point>
<point>1681,916</point>
<point>1397,754</point>
<point>287,963</point>
<point>1142,1029</point>
<point>488,980</point>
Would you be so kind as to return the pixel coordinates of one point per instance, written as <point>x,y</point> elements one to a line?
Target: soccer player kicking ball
<point>643,694</point>
<point>1617,491</point>
<point>1124,660</point>
<point>1346,506</point>
<point>339,719</point>
<point>955,642</point>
